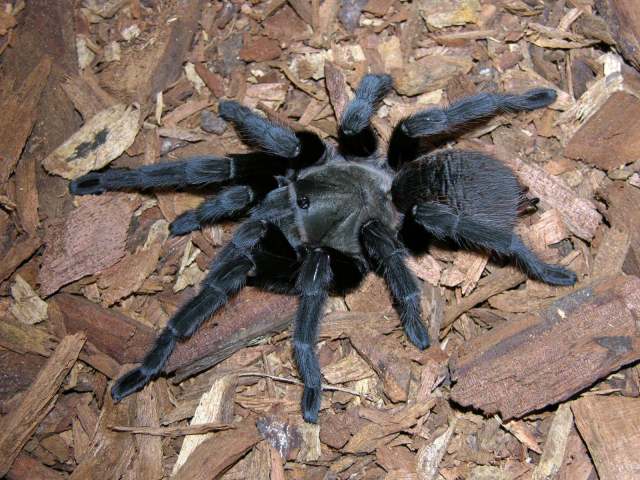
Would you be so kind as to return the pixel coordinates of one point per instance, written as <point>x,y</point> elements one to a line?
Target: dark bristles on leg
<point>312,285</point>
<point>389,258</point>
<point>259,132</point>
<point>228,275</point>
<point>229,203</point>
<point>355,135</point>
<point>436,124</point>
<point>369,94</point>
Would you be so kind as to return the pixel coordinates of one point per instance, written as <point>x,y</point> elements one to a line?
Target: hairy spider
<point>321,216</point>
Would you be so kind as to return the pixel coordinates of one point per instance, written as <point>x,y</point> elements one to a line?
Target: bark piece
<point>102,139</point>
<point>25,466</point>
<point>89,240</point>
<point>28,308</point>
<point>148,461</point>
<point>19,424</point>
<point>19,115</point>
<point>229,446</point>
<point>552,354</point>
<point>143,72</point>
<point>118,336</point>
<point>17,371</point>
<point>260,49</point>
<point>430,455</point>
<point>349,368</point>
<point>380,353</point>
<point>580,216</point>
<point>554,448</point>
<point>216,406</point>
<point>110,453</point>
<point>337,88</point>
<point>610,427</point>
<point>596,129</point>
<point>623,200</point>
<point>623,19</point>
<point>18,253</point>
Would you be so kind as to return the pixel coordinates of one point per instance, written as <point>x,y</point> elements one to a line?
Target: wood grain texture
<point>610,426</point>
<point>90,239</point>
<point>623,20</point>
<point>39,399</point>
<point>552,354</point>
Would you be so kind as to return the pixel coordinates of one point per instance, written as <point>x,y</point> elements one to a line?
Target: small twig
<point>297,82</point>
<point>173,431</point>
<point>293,381</point>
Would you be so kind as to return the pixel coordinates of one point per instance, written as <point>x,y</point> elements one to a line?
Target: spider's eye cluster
<point>303,202</point>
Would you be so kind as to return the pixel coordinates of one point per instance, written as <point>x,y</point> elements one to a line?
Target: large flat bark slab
<point>552,354</point>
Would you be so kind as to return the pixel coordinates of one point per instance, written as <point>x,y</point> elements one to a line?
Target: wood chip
<point>28,308</point>
<point>554,448</point>
<point>228,446</point>
<point>549,356</point>
<point>215,406</point>
<point>89,240</point>
<point>19,425</point>
<point>102,139</point>
<point>610,428</point>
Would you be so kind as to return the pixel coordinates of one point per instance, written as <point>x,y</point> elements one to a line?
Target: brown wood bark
<point>19,424</point>
<point>610,426</point>
<point>623,20</point>
<point>552,354</point>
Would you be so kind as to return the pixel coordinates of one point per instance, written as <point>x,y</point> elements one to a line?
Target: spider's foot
<point>185,223</point>
<point>311,399</point>
<point>88,184</point>
<point>538,98</point>
<point>557,275</point>
<point>417,334</point>
<point>129,383</point>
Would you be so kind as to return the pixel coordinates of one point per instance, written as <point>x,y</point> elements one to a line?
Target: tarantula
<point>321,216</point>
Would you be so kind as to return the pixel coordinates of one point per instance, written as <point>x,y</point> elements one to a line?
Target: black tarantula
<point>321,216</point>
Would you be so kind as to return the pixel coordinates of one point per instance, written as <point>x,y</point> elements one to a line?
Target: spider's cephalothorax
<point>320,217</point>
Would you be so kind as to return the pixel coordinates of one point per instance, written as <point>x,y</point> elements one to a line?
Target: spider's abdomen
<point>473,184</point>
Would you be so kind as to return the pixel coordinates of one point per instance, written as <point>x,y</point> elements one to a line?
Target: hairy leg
<point>312,285</point>
<point>440,122</point>
<point>228,275</point>
<point>389,256</point>
<point>355,134</point>
<point>229,203</point>
<point>260,132</point>
<point>443,222</point>
<point>191,172</point>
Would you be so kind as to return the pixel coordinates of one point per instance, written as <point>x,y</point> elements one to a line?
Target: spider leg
<point>312,284</point>
<point>227,276</point>
<point>228,204</point>
<point>442,221</point>
<point>439,122</point>
<point>259,132</point>
<point>389,255</point>
<point>355,134</point>
<point>192,172</point>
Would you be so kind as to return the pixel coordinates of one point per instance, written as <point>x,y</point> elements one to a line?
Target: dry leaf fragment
<point>102,139</point>
<point>28,308</point>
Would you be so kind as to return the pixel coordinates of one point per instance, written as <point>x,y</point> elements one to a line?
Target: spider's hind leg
<point>228,275</point>
<point>443,222</point>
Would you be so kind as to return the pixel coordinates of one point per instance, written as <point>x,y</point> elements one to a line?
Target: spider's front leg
<point>227,276</point>
<point>259,132</point>
<point>312,285</point>
<point>196,172</point>
<point>355,134</point>
<point>439,122</point>
<point>389,256</point>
